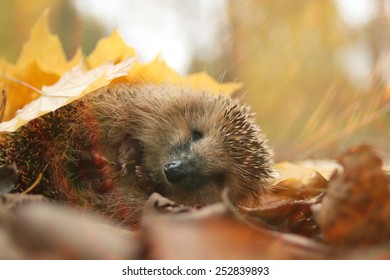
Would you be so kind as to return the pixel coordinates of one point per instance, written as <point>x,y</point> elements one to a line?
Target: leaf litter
<point>348,219</point>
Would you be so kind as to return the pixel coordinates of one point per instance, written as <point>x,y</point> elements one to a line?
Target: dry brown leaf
<point>157,204</point>
<point>296,189</point>
<point>301,180</point>
<point>287,207</point>
<point>12,201</point>
<point>291,216</point>
<point>45,231</point>
<point>356,207</point>
<point>305,170</point>
<point>213,232</point>
<point>380,252</point>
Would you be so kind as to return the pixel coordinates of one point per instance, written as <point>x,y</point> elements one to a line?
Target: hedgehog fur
<point>111,149</point>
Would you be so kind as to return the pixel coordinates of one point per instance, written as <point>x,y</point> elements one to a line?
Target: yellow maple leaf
<point>112,48</point>
<point>155,72</point>
<point>202,80</point>
<point>158,72</point>
<point>45,49</point>
<point>73,85</point>
<point>41,62</point>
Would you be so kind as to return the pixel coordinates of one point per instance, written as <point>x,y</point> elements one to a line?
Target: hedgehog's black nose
<point>175,171</point>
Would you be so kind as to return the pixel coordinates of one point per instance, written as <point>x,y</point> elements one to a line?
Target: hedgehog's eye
<point>196,135</point>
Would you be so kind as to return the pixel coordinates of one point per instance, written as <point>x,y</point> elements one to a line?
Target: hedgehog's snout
<point>183,171</point>
<point>175,171</point>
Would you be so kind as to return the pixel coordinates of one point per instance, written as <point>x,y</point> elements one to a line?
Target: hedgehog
<point>110,150</point>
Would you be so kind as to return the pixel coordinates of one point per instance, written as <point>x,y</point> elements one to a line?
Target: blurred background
<point>316,72</point>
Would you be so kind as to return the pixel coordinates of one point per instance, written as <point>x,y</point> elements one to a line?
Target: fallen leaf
<point>204,81</point>
<point>110,49</point>
<point>214,232</point>
<point>73,85</point>
<point>158,72</point>
<point>41,62</point>
<point>355,209</point>
<point>9,250</point>
<point>290,216</point>
<point>305,170</point>
<point>46,231</point>
<point>297,189</point>
<point>45,49</point>
<point>12,201</point>
<point>157,204</point>
<point>155,72</point>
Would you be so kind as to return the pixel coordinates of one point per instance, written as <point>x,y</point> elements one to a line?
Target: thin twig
<point>37,181</point>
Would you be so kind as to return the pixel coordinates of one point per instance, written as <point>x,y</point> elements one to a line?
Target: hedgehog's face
<point>195,168</point>
<point>199,150</point>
